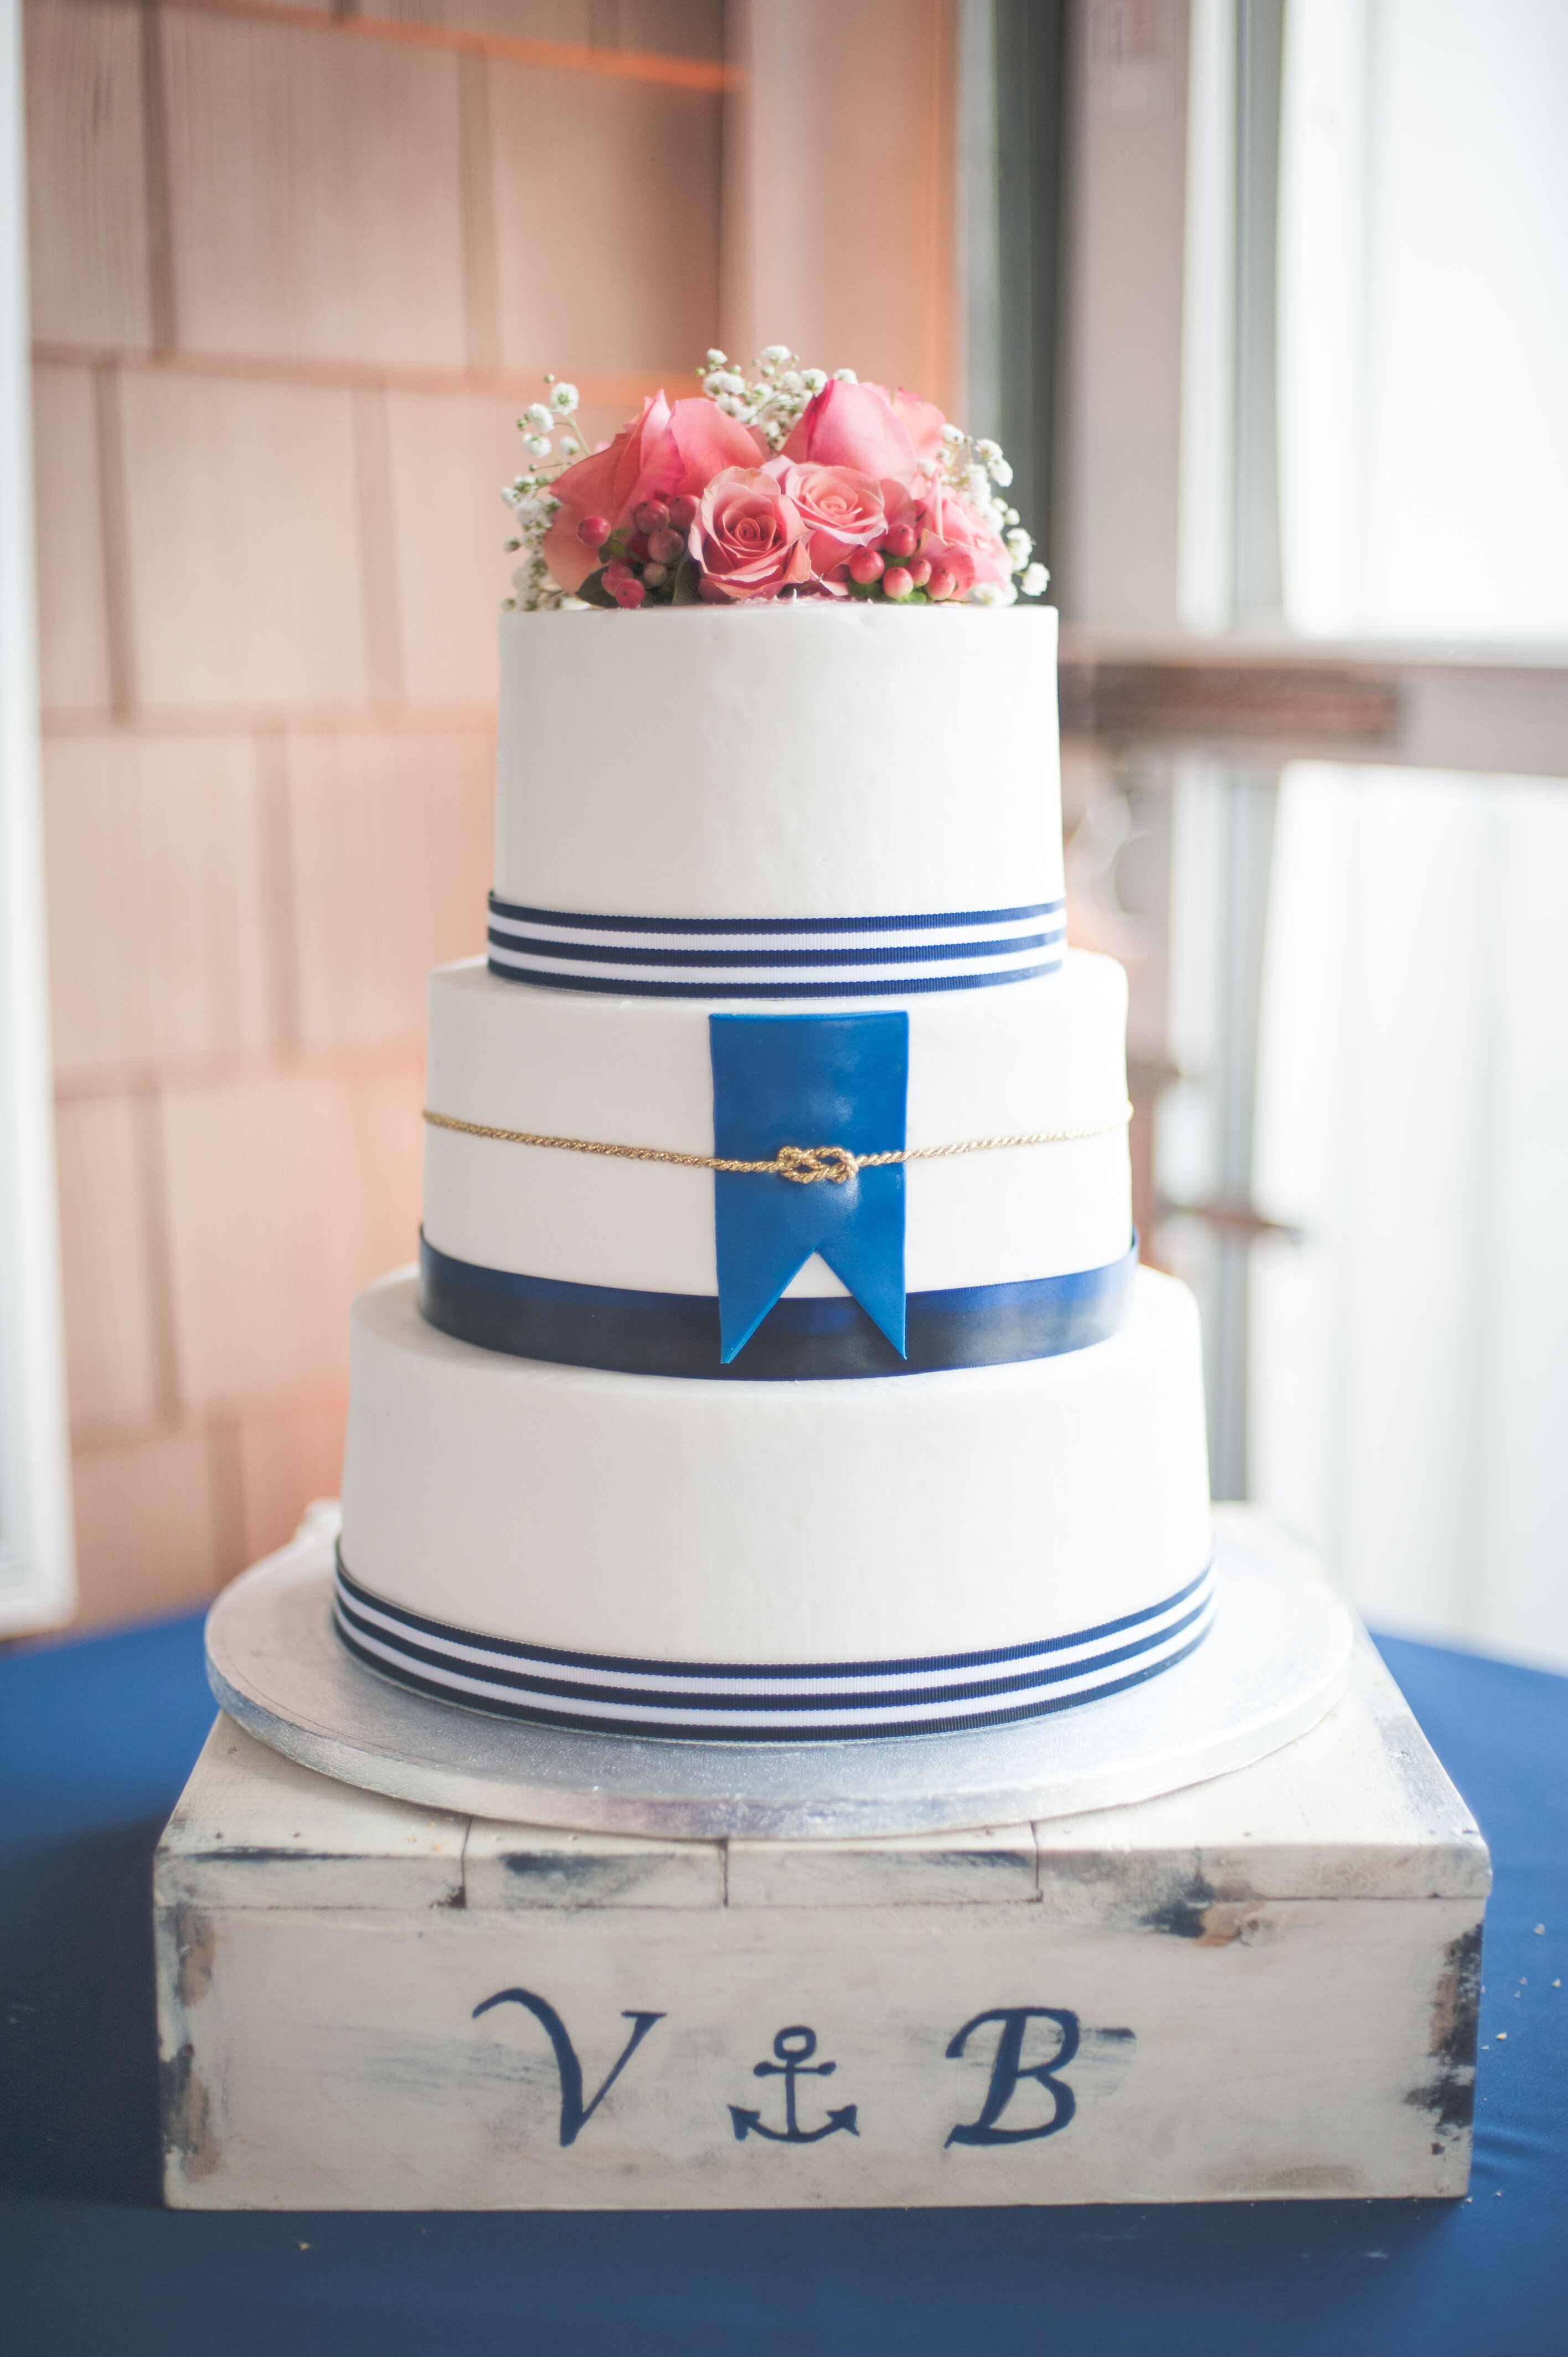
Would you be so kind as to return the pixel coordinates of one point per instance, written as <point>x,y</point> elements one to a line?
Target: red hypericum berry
<point>651,515</point>
<point>593,531</point>
<point>627,591</point>
<point>865,565</point>
<point>920,571</point>
<point>897,581</point>
<point>665,546</point>
<point>941,584</point>
<point>683,512</point>
<point>636,545</point>
<point>900,541</point>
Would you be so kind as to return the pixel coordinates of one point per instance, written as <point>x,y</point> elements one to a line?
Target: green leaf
<point>687,576</point>
<point>593,591</point>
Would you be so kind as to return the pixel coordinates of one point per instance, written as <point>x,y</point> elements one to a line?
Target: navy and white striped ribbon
<point>776,957</point>
<point>792,1702</point>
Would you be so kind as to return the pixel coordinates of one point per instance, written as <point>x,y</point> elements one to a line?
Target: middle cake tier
<point>1046,1056</point>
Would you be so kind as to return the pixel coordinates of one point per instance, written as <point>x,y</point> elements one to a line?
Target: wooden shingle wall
<point>294,271</point>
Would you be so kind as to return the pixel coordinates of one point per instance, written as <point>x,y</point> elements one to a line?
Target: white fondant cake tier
<point>1042,1055</point>
<point>660,1521</point>
<point>782,760</point>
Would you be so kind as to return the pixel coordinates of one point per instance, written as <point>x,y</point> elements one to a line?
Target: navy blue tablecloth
<point>96,1739</point>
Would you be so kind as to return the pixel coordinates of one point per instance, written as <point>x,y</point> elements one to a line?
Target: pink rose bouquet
<point>791,484</point>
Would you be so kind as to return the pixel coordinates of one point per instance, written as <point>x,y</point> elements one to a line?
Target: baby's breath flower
<point>1020,547</point>
<point>999,471</point>
<point>954,437</point>
<point>1033,580</point>
<point>814,380</point>
<point>564,399</point>
<point>845,376</point>
<point>537,446</point>
<point>535,418</point>
<point>717,359</point>
<point>775,355</point>
<point>986,450</point>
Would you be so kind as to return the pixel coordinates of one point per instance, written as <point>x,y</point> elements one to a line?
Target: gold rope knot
<point>806,1163</point>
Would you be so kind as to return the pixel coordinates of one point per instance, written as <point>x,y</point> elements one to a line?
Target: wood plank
<point>673,72</point>
<point>73,615</point>
<point>155,1525</point>
<point>388,847</point>
<point>289,1456</point>
<point>244,561</point>
<point>252,1823</point>
<point>990,1866</point>
<point>89,269</point>
<point>640,163</point>
<point>524,1867</point>
<point>614,391</point>
<point>320,1177</point>
<point>343,232</point>
<point>1358,1805</point>
<point>158,930</point>
<point>112,1312</point>
<point>448,457</point>
<point>329,2064</point>
<point>1210,699</point>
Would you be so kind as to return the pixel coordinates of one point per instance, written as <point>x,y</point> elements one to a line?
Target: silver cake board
<point>1274,1664</point>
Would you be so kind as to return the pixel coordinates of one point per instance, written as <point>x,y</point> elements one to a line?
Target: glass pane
<point>1423,317</point>
<point>1409,1385</point>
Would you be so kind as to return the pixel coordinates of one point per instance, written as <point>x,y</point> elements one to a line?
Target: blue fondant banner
<point>808,1079</point>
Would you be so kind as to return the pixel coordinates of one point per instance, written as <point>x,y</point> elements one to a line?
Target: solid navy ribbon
<point>808,1079</point>
<point>802,1340</point>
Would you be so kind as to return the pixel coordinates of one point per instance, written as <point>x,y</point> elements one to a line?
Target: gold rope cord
<point>804,1163</point>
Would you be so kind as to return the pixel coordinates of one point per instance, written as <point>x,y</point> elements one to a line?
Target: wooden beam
<point>569,57</point>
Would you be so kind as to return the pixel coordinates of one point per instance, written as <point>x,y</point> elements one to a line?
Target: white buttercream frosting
<point>684,1519</point>
<point>804,761</point>
<point>1037,1056</point>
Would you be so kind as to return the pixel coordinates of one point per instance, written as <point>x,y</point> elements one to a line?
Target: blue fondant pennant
<point>808,1079</point>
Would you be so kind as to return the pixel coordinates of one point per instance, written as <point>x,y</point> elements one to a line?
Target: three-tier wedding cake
<point>778,1366</point>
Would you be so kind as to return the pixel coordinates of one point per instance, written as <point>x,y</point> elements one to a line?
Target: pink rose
<point>922,421</point>
<point>840,508</point>
<point>748,537</point>
<point>960,541</point>
<point>670,451</point>
<point>856,425</point>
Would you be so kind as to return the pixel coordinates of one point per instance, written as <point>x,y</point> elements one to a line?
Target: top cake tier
<point>784,762</point>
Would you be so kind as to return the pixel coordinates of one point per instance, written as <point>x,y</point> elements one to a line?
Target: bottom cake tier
<point>805,1561</point>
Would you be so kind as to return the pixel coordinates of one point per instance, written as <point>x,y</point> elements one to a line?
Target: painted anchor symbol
<point>794,2047</point>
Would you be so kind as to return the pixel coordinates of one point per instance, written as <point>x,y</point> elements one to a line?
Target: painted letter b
<point>1009,2069</point>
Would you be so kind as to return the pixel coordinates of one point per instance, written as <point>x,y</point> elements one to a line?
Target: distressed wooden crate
<point>1263,1986</point>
